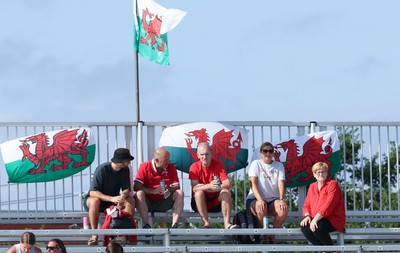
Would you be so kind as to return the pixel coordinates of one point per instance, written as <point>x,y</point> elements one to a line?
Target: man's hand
<point>260,205</point>
<point>282,205</point>
<point>214,185</point>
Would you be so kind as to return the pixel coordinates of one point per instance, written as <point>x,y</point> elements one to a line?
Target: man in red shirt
<point>210,187</point>
<point>157,188</point>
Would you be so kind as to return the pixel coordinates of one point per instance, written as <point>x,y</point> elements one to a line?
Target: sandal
<point>93,241</point>
<point>232,226</point>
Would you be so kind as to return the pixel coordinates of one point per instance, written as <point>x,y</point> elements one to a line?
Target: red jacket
<point>328,202</point>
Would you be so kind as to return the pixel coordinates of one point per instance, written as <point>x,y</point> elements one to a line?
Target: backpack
<point>116,218</point>
<point>245,219</point>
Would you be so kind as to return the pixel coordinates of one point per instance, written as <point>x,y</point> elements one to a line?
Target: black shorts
<point>103,204</point>
<point>161,205</point>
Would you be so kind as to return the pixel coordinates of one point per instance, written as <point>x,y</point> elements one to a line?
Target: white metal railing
<point>169,234</point>
<point>367,150</point>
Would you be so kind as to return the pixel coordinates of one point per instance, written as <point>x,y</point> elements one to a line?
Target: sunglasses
<point>51,247</point>
<point>265,151</point>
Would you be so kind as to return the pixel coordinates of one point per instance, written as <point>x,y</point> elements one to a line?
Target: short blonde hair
<point>319,166</point>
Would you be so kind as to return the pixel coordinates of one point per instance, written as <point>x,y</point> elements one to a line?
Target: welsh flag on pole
<point>48,156</point>
<point>152,22</point>
<point>301,153</point>
<point>228,143</point>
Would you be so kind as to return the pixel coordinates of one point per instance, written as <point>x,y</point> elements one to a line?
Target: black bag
<point>122,222</point>
<point>116,218</point>
<point>245,219</point>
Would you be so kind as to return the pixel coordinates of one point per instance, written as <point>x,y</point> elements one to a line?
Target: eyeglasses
<point>51,247</point>
<point>320,172</point>
<point>265,151</point>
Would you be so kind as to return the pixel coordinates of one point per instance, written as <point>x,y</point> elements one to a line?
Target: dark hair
<point>266,144</point>
<point>28,237</point>
<point>60,244</point>
<point>114,247</point>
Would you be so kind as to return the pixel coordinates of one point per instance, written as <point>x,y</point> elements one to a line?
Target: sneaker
<point>174,225</point>
<point>146,226</point>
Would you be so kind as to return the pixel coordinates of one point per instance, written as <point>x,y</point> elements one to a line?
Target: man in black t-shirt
<point>110,186</point>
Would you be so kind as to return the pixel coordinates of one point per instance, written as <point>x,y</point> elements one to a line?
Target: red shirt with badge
<point>206,175</point>
<point>148,176</point>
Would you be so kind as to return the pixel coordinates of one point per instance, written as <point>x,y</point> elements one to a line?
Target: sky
<point>254,60</point>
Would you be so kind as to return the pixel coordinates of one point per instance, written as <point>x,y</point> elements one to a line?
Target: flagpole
<point>139,123</point>
<point>137,87</point>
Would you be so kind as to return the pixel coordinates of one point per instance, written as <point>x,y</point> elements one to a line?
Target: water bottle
<point>216,178</point>
<point>85,223</point>
<point>162,184</point>
<point>265,222</point>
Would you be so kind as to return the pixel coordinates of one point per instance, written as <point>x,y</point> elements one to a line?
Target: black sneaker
<point>147,226</point>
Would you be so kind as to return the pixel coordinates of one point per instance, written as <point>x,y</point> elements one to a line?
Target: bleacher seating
<point>178,239</point>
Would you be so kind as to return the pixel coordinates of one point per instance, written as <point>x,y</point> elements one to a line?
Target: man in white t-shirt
<point>267,192</point>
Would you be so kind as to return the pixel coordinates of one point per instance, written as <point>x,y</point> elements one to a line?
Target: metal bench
<point>168,234</point>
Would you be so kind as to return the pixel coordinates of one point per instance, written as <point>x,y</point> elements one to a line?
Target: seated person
<point>114,247</point>
<point>26,244</point>
<point>267,192</point>
<point>151,195</point>
<point>56,246</point>
<point>323,209</point>
<point>110,186</point>
<point>209,195</point>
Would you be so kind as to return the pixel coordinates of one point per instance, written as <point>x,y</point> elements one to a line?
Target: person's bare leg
<point>200,199</point>
<point>280,217</point>
<point>226,206</point>
<point>141,206</point>
<point>177,210</point>
<point>260,215</point>
<point>130,205</point>
<point>94,212</point>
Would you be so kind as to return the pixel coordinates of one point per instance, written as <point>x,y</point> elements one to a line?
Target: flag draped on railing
<point>152,22</point>
<point>301,153</point>
<point>228,143</point>
<point>48,156</point>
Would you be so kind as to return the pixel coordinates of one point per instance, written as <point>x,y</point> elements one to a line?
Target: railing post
<point>302,189</point>
<point>151,137</point>
<point>139,138</point>
<point>167,242</point>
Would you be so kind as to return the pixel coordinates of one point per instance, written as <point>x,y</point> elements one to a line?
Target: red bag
<point>116,218</point>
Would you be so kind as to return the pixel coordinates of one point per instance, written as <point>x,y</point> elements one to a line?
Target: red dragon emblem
<point>221,145</point>
<point>152,30</point>
<point>301,164</point>
<point>64,143</point>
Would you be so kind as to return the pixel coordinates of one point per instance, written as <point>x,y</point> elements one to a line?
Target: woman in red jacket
<point>323,208</point>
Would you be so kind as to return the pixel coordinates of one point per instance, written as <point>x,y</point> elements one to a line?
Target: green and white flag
<point>298,155</point>
<point>228,143</point>
<point>152,22</point>
<point>48,156</point>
